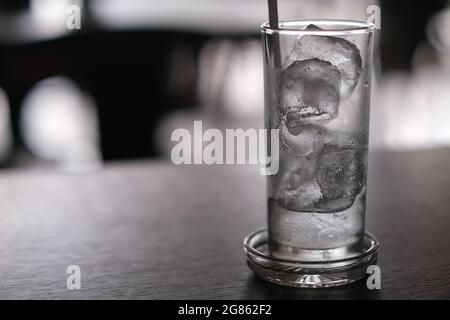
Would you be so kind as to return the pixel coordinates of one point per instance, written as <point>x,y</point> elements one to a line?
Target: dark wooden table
<point>150,230</point>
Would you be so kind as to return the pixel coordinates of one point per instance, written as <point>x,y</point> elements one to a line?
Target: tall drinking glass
<point>317,95</point>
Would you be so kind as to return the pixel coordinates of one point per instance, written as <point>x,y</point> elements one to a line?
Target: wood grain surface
<point>150,230</point>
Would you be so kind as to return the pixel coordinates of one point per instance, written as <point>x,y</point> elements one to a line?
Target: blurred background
<point>115,89</point>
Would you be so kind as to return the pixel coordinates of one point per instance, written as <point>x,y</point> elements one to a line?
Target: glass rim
<point>293,27</point>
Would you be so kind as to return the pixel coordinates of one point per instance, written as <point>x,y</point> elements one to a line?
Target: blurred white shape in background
<point>231,78</point>
<point>411,111</point>
<point>49,16</point>
<point>243,92</point>
<point>438,33</point>
<point>46,19</point>
<point>5,127</point>
<point>59,124</point>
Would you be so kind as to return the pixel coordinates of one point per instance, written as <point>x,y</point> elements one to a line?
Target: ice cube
<point>298,189</point>
<point>300,196</point>
<point>339,173</point>
<point>309,92</point>
<point>342,54</point>
<point>301,141</point>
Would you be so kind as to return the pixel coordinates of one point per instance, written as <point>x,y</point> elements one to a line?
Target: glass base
<point>308,274</point>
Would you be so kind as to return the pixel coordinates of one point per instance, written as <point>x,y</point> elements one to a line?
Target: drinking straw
<point>273,23</point>
<point>273,14</point>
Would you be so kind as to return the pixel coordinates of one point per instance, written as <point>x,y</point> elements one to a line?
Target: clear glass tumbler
<point>317,95</point>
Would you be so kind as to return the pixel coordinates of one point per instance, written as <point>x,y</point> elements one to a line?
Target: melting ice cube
<point>309,92</point>
<point>342,54</point>
<point>339,173</point>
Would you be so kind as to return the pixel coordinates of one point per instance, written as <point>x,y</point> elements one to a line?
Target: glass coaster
<point>308,274</point>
